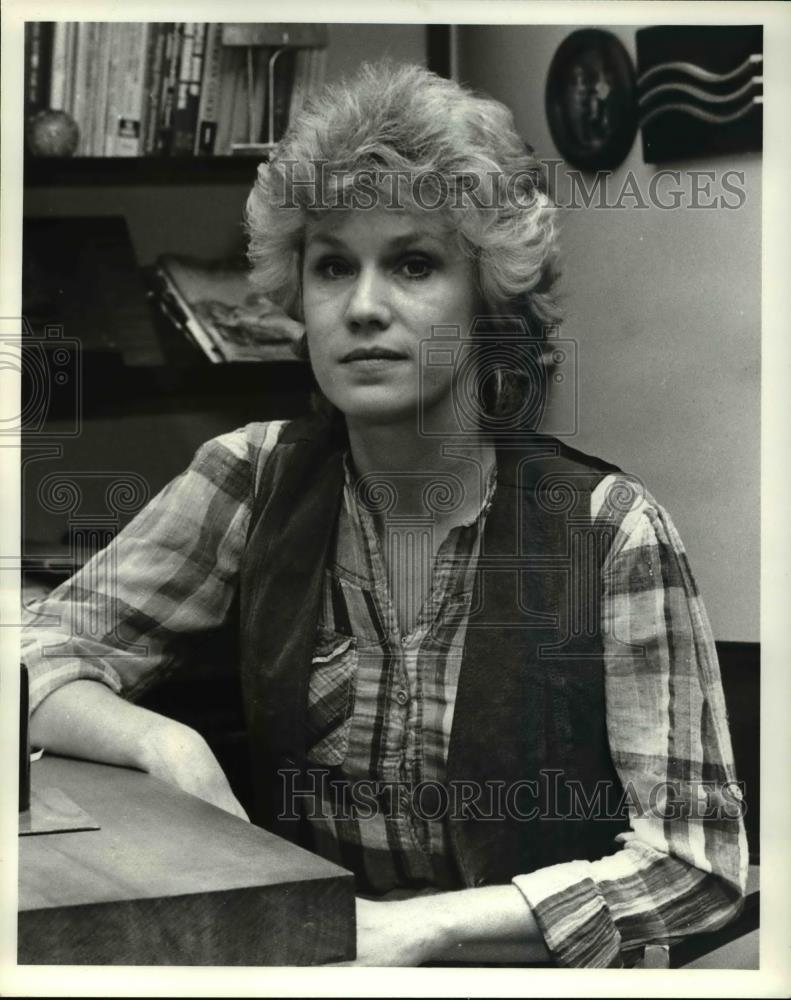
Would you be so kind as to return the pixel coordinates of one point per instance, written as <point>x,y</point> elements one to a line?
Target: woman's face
<point>374,284</point>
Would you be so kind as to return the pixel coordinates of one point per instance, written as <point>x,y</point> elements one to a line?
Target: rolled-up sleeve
<point>682,867</point>
<point>172,573</point>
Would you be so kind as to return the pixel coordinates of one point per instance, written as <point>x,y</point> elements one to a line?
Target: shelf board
<point>87,170</point>
<point>108,387</point>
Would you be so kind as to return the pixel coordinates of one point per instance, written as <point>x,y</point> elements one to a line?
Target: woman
<point>475,666</point>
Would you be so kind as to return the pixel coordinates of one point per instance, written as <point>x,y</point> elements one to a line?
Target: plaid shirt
<point>381,705</point>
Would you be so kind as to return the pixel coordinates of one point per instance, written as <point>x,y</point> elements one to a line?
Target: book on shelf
<point>39,57</point>
<point>61,43</point>
<point>101,89</point>
<point>215,305</point>
<point>185,116</point>
<point>80,100</point>
<point>152,82</point>
<point>130,111</point>
<point>164,115</point>
<point>114,71</point>
<point>173,88</point>
<point>208,105</point>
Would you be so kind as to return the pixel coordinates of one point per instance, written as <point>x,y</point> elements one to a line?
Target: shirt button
<point>404,640</point>
<point>402,696</point>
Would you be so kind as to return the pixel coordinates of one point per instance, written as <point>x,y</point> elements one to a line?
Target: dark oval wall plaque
<point>591,100</point>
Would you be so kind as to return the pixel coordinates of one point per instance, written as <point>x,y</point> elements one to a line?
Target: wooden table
<point>170,880</point>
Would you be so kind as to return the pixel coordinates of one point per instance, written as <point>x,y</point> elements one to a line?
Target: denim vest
<point>528,758</point>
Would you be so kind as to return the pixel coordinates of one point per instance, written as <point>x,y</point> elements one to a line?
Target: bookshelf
<point>52,171</point>
<point>191,204</point>
<point>140,89</point>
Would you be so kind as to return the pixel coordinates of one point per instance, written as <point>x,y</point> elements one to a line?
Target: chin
<point>376,407</point>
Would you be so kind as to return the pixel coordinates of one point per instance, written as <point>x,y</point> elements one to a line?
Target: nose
<point>368,306</point>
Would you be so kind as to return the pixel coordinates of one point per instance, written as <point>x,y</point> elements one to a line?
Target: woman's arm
<point>683,868</point>
<point>122,622</point>
<point>86,719</point>
<point>416,930</point>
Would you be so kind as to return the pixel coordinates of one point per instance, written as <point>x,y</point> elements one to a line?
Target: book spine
<point>168,40</point>
<point>71,67</point>
<point>81,111</point>
<point>151,81</point>
<point>115,40</point>
<point>208,107</point>
<point>100,89</point>
<point>131,104</point>
<point>33,96</point>
<point>230,62</point>
<point>198,59</point>
<point>181,126</point>
<point>80,78</point>
<point>168,92</point>
<point>193,90</point>
<point>45,66</point>
<point>91,85</point>
<point>57,86</point>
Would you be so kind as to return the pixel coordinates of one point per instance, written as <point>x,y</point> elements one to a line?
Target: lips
<point>372,354</point>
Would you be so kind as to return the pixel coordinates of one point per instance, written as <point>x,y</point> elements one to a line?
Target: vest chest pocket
<point>331,697</point>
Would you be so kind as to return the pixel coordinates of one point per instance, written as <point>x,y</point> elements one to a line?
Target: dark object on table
<point>700,90</point>
<point>24,743</point>
<point>590,100</point>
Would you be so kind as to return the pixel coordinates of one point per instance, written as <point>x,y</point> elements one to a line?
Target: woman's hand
<point>403,932</point>
<point>412,931</point>
<point>86,719</point>
<point>180,756</point>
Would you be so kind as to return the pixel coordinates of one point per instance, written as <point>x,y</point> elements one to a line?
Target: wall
<point>665,309</point>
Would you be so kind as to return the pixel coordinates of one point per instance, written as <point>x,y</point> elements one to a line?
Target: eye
<point>417,267</point>
<point>333,267</point>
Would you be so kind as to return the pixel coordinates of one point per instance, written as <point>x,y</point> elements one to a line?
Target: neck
<point>411,461</point>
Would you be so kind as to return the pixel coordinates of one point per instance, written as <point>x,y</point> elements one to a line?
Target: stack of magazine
<point>217,307</point>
